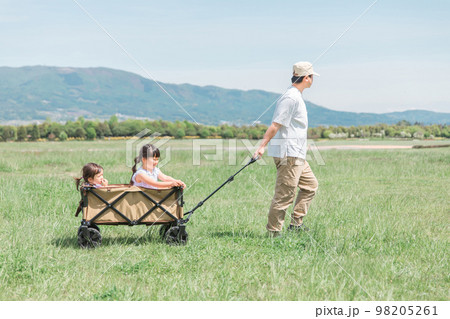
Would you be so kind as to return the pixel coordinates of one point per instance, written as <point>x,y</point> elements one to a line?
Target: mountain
<point>64,93</point>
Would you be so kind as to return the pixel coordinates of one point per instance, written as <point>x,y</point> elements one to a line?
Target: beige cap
<point>303,69</point>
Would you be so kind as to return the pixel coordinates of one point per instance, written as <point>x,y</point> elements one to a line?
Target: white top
<point>291,138</point>
<point>153,174</point>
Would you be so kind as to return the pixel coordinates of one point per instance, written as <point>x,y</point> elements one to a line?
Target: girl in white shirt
<point>148,175</point>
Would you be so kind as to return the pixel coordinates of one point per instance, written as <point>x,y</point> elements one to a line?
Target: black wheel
<point>89,237</point>
<point>163,230</point>
<point>94,226</point>
<point>183,238</point>
<point>176,236</point>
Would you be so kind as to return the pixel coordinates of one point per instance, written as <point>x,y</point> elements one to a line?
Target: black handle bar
<point>230,179</point>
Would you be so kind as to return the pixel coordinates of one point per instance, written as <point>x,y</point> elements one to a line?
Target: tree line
<point>83,129</point>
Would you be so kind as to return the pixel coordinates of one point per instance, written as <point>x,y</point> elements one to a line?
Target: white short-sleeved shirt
<point>291,138</point>
<point>153,174</point>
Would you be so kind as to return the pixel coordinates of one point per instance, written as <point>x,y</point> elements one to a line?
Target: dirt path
<point>362,147</point>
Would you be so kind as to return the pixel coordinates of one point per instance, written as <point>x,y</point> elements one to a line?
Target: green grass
<point>379,230</point>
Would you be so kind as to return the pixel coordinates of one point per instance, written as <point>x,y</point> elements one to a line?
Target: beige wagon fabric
<point>133,205</point>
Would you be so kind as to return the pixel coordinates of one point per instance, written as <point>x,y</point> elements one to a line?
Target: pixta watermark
<point>207,150</point>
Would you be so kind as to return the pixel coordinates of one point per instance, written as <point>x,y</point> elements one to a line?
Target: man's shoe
<point>300,227</point>
<point>274,234</point>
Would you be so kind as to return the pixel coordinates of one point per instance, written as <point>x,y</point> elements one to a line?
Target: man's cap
<point>303,69</point>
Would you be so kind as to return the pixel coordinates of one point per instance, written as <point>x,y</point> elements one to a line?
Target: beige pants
<point>292,172</point>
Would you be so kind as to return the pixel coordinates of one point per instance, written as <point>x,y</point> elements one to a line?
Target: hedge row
<point>86,129</point>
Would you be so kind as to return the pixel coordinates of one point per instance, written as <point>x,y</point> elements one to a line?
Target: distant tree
<point>63,136</point>
<point>153,126</point>
<point>55,128</point>
<point>326,133</point>
<point>213,130</point>
<point>88,124</point>
<point>70,128</point>
<point>35,133</point>
<point>165,128</point>
<point>436,130</point>
<point>90,133</point>
<point>204,133</point>
<point>21,133</point>
<point>190,129</point>
<point>9,133</point>
<point>127,128</point>
<point>341,129</point>
<point>403,123</point>
<point>227,133</point>
<point>179,129</point>
<point>103,129</point>
<point>180,133</point>
<point>133,127</point>
<point>254,134</point>
<point>81,120</point>
<point>80,132</point>
<point>314,132</point>
<point>169,129</point>
<point>113,120</point>
<point>242,135</point>
<point>43,129</point>
<point>389,131</point>
<point>197,127</point>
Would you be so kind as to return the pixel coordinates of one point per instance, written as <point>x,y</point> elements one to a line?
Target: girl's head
<point>149,156</point>
<point>92,174</point>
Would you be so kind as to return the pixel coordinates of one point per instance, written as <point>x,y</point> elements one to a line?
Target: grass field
<point>379,230</point>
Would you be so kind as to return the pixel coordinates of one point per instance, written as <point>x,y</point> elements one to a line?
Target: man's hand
<point>271,131</point>
<point>259,153</point>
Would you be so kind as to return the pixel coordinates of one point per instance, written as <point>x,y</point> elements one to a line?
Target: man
<point>288,144</point>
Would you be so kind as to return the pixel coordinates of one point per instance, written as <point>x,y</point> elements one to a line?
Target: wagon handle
<point>230,179</point>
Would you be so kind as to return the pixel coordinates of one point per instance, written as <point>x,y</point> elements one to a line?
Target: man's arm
<point>270,133</point>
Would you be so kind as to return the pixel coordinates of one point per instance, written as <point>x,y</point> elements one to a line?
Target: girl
<point>147,176</point>
<point>92,176</point>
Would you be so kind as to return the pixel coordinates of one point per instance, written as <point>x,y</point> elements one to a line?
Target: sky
<point>394,57</point>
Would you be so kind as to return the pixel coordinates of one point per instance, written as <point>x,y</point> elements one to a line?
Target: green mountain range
<point>64,93</point>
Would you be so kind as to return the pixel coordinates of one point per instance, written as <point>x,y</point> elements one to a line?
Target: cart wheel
<point>93,226</point>
<point>176,237</point>
<point>163,230</point>
<point>92,240</point>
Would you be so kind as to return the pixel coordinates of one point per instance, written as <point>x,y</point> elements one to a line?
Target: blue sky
<point>395,57</point>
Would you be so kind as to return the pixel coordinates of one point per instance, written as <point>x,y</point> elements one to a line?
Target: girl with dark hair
<point>148,174</point>
<point>92,176</point>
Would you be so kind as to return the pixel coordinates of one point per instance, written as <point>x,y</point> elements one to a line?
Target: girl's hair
<point>148,150</point>
<point>89,171</point>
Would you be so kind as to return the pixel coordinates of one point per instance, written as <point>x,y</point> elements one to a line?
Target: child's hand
<point>178,183</point>
<point>104,182</point>
<point>182,184</point>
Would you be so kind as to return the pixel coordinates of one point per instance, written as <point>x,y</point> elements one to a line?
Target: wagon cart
<point>123,204</point>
